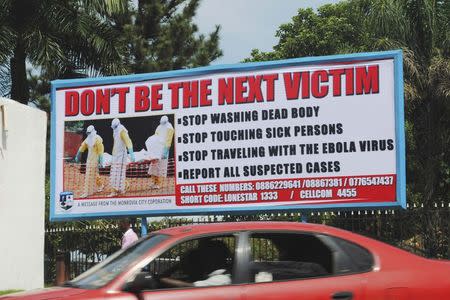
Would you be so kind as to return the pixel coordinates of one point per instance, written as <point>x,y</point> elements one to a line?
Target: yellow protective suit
<point>92,179</point>
<point>161,140</point>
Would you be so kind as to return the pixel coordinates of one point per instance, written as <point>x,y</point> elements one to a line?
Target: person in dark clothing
<point>212,266</point>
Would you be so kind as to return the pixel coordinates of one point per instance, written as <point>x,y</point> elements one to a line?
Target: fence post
<point>304,217</point>
<point>144,226</point>
<point>62,268</point>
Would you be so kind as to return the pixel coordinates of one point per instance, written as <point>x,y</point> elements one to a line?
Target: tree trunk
<point>19,84</point>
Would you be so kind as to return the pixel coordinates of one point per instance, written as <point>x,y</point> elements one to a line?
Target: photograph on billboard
<point>299,134</point>
<point>104,168</point>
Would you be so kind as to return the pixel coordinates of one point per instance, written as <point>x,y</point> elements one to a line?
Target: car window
<point>198,262</point>
<point>106,271</point>
<point>286,256</point>
<point>360,258</point>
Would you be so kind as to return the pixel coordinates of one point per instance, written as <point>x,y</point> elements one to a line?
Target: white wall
<point>22,196</point>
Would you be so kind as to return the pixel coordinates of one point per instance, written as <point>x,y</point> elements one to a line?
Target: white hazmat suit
<point>119,160</point>
<point>158,147</point>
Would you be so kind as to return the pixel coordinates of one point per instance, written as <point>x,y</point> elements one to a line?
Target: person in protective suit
<point>122,143</point>
<point>94,145</point>
<point>158,147</point>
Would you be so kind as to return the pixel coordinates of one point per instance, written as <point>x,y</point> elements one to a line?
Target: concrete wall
<point>22,195</point>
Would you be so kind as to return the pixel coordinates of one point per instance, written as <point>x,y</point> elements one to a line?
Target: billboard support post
<point>144,226</point>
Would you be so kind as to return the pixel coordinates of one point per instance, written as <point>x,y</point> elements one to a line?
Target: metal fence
<point>422,230</point>
<point>139,182</point>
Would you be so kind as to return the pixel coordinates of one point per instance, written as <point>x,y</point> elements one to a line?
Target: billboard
<point>299,134</point>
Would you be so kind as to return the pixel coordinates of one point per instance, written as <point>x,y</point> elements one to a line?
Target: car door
<point>295,265</point>
<point>175,254</point>
<point>198,293</point>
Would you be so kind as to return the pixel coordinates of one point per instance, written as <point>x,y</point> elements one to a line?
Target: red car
<point>256,261</point>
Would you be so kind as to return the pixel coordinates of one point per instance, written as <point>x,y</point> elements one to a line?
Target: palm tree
<point>420,28</point>
<point>422,31</point>
<point>62,38</point>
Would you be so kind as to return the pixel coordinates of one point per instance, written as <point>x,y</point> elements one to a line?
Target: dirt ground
<point>135,187</point>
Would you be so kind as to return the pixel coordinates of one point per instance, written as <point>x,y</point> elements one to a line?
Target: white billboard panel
<point>310,133</point>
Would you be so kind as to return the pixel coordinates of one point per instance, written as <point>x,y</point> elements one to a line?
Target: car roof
<point>219,227</point>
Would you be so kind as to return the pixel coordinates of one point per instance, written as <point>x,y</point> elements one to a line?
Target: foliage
<point>74,126</point>
<point>6,292</point>
<point>79,38</point>
<point>160,35</point>
<point>420,29</point>
<point>63,39</point>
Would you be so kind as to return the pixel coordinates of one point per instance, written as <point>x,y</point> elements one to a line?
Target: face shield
<point>164,120</point>
<point>90,130</point>
<point>115,123</point>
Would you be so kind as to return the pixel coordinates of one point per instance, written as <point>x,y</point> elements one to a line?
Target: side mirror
<point>142,281</point>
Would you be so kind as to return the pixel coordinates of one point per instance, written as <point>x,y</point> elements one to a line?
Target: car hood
<point>49,293</point>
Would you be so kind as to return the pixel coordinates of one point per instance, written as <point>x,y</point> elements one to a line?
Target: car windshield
<point>110,268</point>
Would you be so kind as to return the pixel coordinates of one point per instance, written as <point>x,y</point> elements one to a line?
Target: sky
<point>247,24</point>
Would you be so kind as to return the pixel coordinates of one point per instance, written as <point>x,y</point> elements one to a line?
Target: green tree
<point>59,38</point>
<point>160,35</point>
<point>420,28</point>
<point>147,36</point>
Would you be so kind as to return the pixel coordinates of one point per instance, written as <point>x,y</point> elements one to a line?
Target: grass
<point>8,292</point>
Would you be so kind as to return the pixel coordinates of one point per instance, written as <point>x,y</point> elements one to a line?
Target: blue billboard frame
<point>396,55</point>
